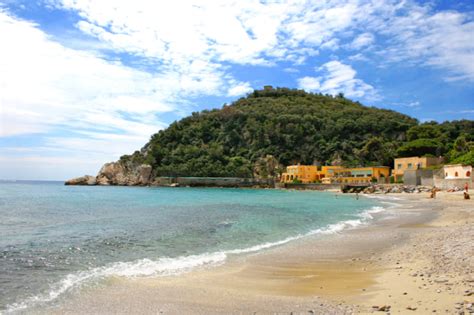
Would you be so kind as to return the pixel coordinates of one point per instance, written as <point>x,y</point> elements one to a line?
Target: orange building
<point>304,173</point>
<point>335,174</point>
<point>412,163</point>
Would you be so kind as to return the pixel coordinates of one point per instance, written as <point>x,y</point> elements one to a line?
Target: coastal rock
<point>86,180</point>
<point>124,174</point>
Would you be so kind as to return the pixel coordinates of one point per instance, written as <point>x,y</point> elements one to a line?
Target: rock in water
<point>124,173</point>
<point>86,180</point>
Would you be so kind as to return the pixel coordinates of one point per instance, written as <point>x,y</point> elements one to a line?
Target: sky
<point>83,82</point>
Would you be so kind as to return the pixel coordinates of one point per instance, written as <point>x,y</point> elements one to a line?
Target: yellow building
<point>304,173</point>
<point>334,174</point>
<point>359,175</point>
<point>328,171</point>
<point>412,163</point>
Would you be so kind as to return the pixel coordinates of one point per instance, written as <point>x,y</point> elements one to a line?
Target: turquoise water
<point>55,238</point>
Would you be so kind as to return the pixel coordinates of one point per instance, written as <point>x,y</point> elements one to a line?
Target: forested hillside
<point>295,127</point>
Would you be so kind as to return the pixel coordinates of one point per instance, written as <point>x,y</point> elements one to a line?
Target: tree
<point>425,131</point>
<point>420,147</point>
<point>465,159</point>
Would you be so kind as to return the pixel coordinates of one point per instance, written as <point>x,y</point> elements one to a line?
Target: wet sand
<point>420,257</point>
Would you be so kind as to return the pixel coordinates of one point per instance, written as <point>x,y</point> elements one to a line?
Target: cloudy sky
<point>83,82</point>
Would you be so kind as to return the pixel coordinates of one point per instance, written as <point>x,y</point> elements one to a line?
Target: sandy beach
<point>416,258</point>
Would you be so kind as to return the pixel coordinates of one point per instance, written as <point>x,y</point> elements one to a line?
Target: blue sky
<point>83,82</point>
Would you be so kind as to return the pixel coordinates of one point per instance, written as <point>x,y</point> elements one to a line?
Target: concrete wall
<point>412,177</point>
<point>426,177</point>
<point>312,186</point>
<point>452,183</point>
<point>213,181</point>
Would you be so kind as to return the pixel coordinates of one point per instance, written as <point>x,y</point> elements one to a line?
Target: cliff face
<point>126,174</point>
<point>117,173</point>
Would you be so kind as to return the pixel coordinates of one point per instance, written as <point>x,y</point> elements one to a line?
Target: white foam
<point>139,268</point>
<point>174,266</point>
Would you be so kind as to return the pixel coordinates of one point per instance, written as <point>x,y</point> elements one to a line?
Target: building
<point>328,171</point>
<point>360,175</point>
<point>457,171</point>
<point>453,176</point>
<point>412,163</point>
<point>304,173</point>
<point>335,174</point>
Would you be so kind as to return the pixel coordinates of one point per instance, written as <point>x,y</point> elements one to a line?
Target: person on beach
<point>433,193</point>
<point>466,187</point>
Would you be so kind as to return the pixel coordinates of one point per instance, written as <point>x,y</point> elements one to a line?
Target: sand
<point>418,260</point>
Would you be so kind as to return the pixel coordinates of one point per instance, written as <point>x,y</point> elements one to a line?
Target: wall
<point>213,181</point>
<point>427,177</point>
<point>312,186</point>
<point>452,183</point>
<point>412,177</point>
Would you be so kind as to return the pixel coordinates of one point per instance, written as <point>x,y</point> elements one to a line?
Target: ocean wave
<point>139,268</point>
<point>174,266</point>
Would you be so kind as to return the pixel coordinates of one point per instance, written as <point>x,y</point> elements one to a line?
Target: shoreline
<point>305,275</point>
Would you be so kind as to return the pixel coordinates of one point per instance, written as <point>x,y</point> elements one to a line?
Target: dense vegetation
<point>296,127</point>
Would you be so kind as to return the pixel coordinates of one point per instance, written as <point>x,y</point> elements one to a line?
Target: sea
<point>55,239</point>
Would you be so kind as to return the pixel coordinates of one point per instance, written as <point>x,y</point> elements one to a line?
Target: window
<point>410,165</point>
<point>399,166</point>
<point>468,174</point>
<point>456,174</point>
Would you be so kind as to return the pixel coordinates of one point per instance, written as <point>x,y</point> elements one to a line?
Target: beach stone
<point>441,280</point>
<point>383,308</point>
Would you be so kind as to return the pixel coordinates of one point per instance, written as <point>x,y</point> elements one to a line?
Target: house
<point>453,176</point>
<point>413,163</point>
<point>457,171</point>
<point>304,173</point>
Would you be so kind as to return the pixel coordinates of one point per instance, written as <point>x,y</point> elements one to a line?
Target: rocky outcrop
<point>117,173</point>
<point>124,174</point>
<point>86,180</point>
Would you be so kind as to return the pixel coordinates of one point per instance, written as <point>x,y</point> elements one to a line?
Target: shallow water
<point>55,238</point>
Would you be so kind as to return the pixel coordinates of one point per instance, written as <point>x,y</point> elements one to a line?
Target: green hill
<point>293,126</point>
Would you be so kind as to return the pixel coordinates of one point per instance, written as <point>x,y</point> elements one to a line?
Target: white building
<point>457,171</point>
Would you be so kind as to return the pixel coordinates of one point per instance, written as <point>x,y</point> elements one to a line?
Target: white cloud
<point>441,40</point>
<point>309,84</point>
<point>336,78</point>
<point>239,90</point>
<point>260,33</point>
<point>363,40</point>
<point>414,104</point>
